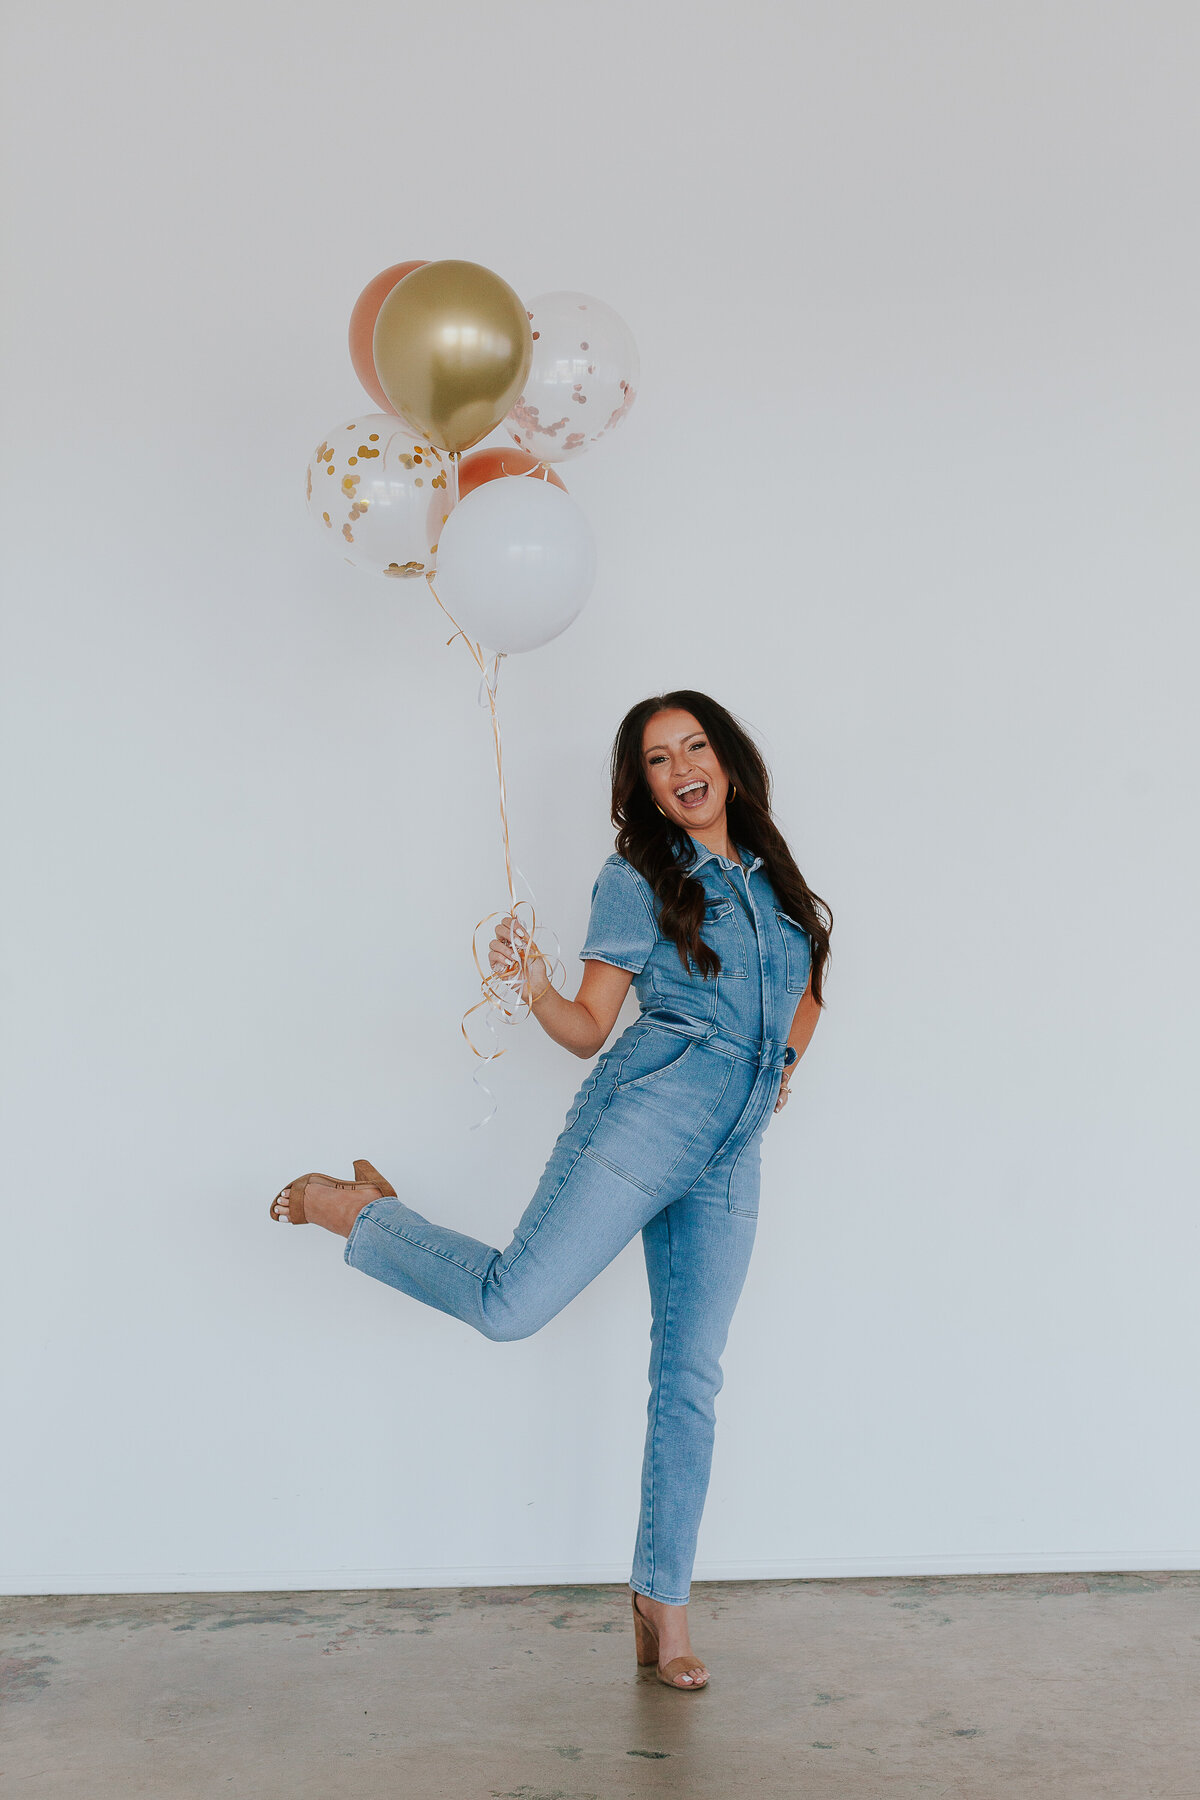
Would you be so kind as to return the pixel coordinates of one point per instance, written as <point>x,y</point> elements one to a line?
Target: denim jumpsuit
<point>663,1138</point>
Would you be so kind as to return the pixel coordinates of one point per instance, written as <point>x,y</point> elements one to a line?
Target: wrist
<point>538,983</point>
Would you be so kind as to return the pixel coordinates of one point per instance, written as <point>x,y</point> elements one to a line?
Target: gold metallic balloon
<point>452,349</point>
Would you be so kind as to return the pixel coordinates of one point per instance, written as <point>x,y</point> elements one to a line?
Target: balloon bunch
<point>448,352</point>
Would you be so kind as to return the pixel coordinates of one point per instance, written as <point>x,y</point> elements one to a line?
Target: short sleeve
<point>621,926</point>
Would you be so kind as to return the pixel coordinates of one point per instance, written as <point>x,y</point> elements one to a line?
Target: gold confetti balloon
<point>582,381</point>
<point>452,349</point>
<point>379,496</point>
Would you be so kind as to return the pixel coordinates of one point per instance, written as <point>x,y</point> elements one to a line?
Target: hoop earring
<point>731,796</point>
<point>660,809</point>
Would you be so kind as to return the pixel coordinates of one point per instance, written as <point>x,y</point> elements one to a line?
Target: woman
<point>704,910</point>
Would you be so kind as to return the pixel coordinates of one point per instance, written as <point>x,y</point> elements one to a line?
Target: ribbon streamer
<point>507,993</point>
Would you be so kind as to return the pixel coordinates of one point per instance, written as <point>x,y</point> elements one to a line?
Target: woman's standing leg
<point>697,1253</point>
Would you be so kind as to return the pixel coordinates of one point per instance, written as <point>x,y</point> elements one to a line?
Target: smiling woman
<point>703,910</point>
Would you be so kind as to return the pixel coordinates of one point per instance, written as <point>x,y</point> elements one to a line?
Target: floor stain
<point>529,1793</point>
<point>23,1676</point>
<point>284,1615</point>
<point>573,1596</point>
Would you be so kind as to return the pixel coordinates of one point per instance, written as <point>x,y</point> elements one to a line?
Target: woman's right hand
<point>501,955</point>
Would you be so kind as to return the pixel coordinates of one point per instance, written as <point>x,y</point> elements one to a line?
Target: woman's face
<point>682,771</point>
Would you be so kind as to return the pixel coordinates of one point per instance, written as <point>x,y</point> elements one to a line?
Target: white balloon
<point>378,495</point>
<point>582,381</point>
<point>516,563</point>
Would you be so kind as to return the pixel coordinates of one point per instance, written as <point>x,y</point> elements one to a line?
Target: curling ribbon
<point>507,993</point>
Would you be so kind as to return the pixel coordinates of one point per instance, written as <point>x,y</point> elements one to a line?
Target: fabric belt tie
<point>769,1054</point>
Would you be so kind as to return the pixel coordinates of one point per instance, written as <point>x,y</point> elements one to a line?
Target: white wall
<point>911,485</point>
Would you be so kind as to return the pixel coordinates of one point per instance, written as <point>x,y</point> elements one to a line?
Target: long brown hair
<point>649,840</point>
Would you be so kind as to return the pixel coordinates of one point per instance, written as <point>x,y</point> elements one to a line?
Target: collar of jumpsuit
<point>703,853</point>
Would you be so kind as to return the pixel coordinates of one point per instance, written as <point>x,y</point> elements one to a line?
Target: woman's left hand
<point>502,955</point>
<point>781,1102</point>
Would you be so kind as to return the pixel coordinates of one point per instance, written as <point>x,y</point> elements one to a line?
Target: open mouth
<point>692,793</point>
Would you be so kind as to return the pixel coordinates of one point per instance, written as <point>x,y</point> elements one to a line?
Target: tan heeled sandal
<point>365,1173</point>
<point>645,1640</point>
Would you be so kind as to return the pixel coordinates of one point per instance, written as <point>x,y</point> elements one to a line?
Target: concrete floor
<point>966,1687</point>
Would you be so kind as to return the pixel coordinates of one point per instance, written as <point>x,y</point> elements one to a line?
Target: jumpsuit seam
<point>630,874</point>
<point>640,1082</point>
<point>653,1560</point>
<point>417,1244</point>
<point>744,1212</point>
<point>724,973</point>
<point>640,891</point>
<point>595,1156</point>
<point>581,1151</point>
<point>654,1192</point>
<point>712,1109</point>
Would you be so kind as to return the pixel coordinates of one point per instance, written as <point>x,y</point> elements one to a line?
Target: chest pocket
<point>797,953</point>
<point>722,930</point>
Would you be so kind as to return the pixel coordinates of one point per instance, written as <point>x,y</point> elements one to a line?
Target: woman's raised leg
<point>581,1215</point>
